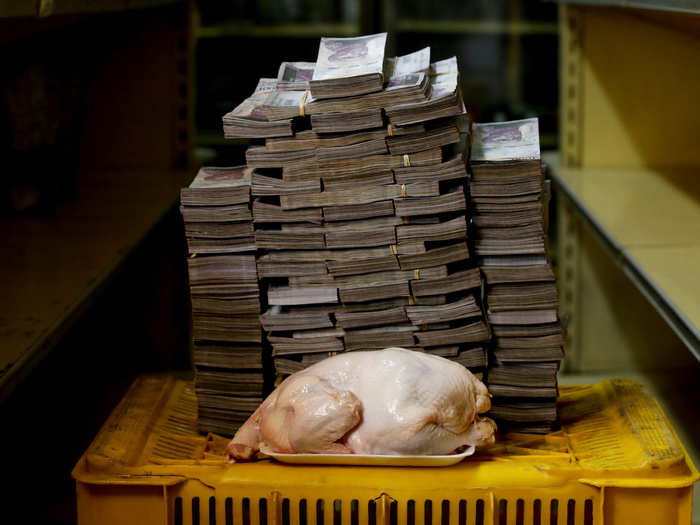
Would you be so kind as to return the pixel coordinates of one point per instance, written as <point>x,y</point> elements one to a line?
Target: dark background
<point>507,52</point>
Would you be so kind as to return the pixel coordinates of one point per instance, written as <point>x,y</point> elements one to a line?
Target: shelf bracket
<point>571,85</point>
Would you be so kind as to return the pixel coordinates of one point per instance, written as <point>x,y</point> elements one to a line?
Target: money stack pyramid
<point>225,297</point>
<point>508,201</point>
<point>359,206</point>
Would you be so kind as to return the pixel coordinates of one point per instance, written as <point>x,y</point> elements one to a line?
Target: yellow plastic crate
<point>616,461</point>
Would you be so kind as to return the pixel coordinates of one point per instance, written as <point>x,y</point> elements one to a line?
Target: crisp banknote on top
<point>513,140</point>
<point>348,57</point>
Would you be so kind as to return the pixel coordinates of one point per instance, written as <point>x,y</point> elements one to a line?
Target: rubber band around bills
<point>302,102</point>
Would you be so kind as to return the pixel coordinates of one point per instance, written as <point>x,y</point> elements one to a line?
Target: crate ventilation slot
<point>313,512</point>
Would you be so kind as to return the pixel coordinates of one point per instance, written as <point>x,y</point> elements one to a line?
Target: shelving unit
<point>12,9</point>
<point>61,264</point>
<point>135,147</point>
<point>627,198</point>
<point>627,175</point>
<point>93,292</point>
<point>486,27</point>
<point>301,30</point>
<point>681,6</point>
<point>656,245</point>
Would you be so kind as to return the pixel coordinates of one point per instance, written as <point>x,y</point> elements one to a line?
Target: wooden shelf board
<point>298,30</point>
<point>488,27</point>
<point>649,221</point>
<point>59,264</point>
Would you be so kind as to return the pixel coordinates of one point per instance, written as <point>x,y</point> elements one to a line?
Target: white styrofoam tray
<point>372,460</point>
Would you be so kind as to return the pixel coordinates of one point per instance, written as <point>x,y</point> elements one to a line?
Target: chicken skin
<point>394,401</point>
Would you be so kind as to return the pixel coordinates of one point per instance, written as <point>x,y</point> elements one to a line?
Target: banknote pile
<point>225,298</point>
<point>359,205</point>
<point>356,226</point>
<point>508,201</point>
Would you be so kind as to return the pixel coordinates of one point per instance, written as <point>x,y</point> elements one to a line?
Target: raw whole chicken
<point>394,401</point>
